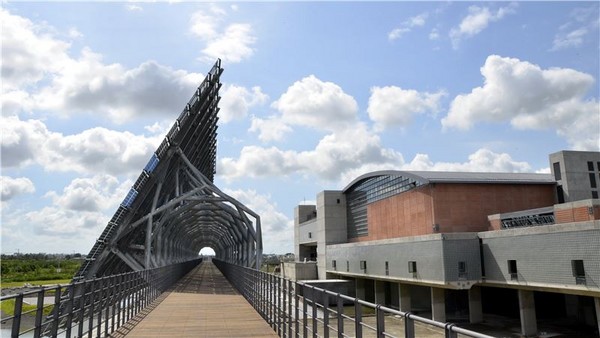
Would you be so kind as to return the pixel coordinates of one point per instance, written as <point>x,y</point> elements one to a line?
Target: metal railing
<point>296,309</point>
<point>92,308</point>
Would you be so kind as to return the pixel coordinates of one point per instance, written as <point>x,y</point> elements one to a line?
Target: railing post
<point>315,323</point>
<point>380,321</point>
<point>304,312</point>
<point>56,311</point>
<point>340,318</point>
<point>80,315</point>
<point>449,332</point>
<point>39,314</point>
<point>409,326</point>
<point>91,313</point>
<point>16,325</point>
<point>290,301</point>
<point>325,314</point>
<point>284,306</point>
<point>70,307</point>
<point>357,318</point>
<point>297,308</point>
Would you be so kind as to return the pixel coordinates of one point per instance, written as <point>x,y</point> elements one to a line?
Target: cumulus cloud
<point>97,150</point>
<point>29,51</point>
<point>407,25</point>
<point>317,104</point>
<point>477,20</point>
<point>237,100</point>
<point>531,98</point>
<point>12,187</point>
<point>573,33</point>
<point>38,74</point>
<point>483,160</point>
<point>277,228</point>
<point>394,106</point>
<point>232,43</point>
<point>335,154</point>
<point>95,194</point>
<point>270,129</point>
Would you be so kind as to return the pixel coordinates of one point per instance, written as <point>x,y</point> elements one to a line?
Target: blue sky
<point>314,94</point>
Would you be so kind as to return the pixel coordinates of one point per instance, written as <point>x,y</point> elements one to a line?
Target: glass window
<point>556,167</point>
<point>592,180</point>
<point>591,166</point>
<point>578,268</point>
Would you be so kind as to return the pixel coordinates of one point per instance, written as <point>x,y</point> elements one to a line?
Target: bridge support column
<point>404,295</point>
<point>379,292</point>
<point>597,305</point>
<point>527,313</point>
<point>475,307</point>
<point>361,292</point>
<point>438,304</point>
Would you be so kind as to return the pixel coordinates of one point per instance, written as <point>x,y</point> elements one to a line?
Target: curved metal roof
<point>174,210</point>
<point>426,177</point>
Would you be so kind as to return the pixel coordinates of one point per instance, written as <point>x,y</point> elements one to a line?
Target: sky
<point>314,94</point>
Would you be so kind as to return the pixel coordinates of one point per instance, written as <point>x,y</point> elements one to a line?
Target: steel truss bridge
<point>173,210</point>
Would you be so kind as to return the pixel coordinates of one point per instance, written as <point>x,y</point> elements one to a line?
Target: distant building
<point>455,245</point>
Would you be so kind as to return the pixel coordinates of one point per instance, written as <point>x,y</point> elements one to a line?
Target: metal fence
<point>92,308</point>
<point>295,309</point>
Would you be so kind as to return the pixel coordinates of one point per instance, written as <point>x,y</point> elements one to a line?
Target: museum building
<point>459,246</point>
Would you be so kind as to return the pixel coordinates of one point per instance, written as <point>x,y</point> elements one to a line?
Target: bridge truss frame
<point>173,209</point>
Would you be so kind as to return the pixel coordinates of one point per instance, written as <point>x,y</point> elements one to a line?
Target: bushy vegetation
<point>34,267</point>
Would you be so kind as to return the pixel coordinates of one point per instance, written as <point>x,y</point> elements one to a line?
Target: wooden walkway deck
<point>202,304</point>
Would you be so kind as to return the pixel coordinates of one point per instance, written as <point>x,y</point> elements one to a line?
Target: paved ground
<point>203,304</point>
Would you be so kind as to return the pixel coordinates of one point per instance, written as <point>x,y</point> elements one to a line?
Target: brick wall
<point>455,207</point>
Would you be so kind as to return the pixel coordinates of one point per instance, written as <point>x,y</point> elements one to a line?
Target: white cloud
<point>407,26</point>
<point>313,103</point>
<point>483,160</point>
<point>98,193</point>
<point>334,155</point>
<point>38,74</point>
<point>12,187</point>
<point>232,43</point>
<point>97,150</point>
<point>29,52</point>
<point>434,34</point>
<point>134,8</point>
<point>270,129</point>
<point>394,106</point>
<point>573,33</point>
<point>237,100</point>
<point>478,19</point>
<point>277,229</point>
<point>88,85</point>
<point>531,98</point>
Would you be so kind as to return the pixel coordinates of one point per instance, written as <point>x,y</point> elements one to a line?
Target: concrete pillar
<point>475,307</point>
<point>404,295</point>
<point>597,305</point>
<point>572,306</point>
<point>527,313</point>
<point>438,304</point>
<point>379,292</point>
<point>361,292</point>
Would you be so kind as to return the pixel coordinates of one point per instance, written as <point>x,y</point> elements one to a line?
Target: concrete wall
<point>575,179</point>
<point>302,213</point>
<point>544,256</point>
<point>331,211</point>
<point>299,270</point>
<point>431,253</point>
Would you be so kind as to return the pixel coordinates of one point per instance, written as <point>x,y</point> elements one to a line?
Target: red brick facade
<point>459,207</point>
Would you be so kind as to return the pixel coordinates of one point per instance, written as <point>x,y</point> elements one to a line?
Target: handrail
<point>94,307</point>
<point>296,309</point>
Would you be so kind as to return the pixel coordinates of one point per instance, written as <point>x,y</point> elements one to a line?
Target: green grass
<point>4,285</point>
<point>8,308</point>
